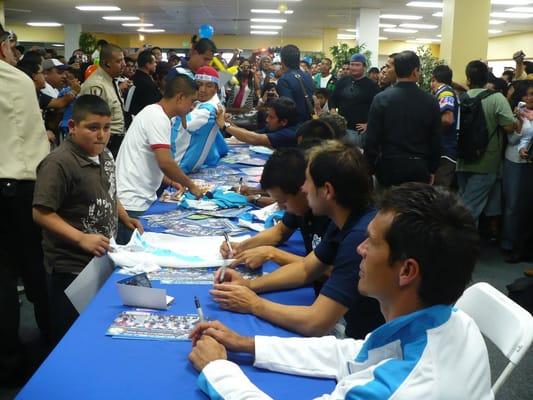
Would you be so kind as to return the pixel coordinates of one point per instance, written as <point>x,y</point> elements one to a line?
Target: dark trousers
<point>114,144</point>
<point>21,256</point>
<point>123,233</point>
<point>62,312</point>
<point>395,171</point>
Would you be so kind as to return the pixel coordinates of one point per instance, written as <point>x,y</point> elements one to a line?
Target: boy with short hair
<point>75,202</point>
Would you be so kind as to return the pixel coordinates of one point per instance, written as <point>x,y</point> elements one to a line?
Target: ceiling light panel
<point>401,16</point>
<point>120,18</point>
<point>98,8</point>
<point>400,30</point>
<point>425,4</point>
<point>137,24</point>
<point>269,11</point>
<point>419,26</point>
<point>266,27</point>
<point>147,30</point>
<point>273,20</point>
<point>510,15</point>
<point>44,24</point>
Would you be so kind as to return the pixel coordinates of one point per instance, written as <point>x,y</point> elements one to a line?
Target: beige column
<point>465,34</point>
<point>2,15</point>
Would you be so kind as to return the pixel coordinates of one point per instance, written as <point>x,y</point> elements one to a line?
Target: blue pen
<point>199,309</point>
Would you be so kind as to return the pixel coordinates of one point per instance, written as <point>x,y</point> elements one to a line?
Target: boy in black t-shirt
<point>285,188</point>
<point>75,203</point>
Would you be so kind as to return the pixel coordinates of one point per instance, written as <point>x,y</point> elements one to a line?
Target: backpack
<point>472,134</point>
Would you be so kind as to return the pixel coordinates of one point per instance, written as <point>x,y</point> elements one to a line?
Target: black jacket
<point>404,123</point>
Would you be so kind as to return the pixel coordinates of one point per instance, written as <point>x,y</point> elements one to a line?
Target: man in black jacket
<point>353,96</point>
<point>144,90</point>
<point>403,136</point>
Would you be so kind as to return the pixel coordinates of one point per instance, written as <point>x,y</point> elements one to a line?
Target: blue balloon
<point>206,31</point>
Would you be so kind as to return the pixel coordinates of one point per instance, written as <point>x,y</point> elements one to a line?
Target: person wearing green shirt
<point>477,178</point>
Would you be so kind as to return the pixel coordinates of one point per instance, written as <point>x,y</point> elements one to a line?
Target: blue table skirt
<point>87,364</point>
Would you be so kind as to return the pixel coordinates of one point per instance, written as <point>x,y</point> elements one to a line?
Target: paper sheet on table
<point>171,251</point>
<point>252,171</point>
<point>82,290</point>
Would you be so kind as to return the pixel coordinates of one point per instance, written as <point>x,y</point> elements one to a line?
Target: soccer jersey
<point>434,353</point>
<point>191,147</point>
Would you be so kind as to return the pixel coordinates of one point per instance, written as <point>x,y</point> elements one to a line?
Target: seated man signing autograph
<point>336,186</point>
<point>419,255</point>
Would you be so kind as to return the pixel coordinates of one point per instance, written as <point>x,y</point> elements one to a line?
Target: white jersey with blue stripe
<point>436,353</point>
<point>191,146</point>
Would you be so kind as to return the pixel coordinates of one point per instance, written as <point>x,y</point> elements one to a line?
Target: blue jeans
<point>474,190</point>
<point>123,233</point>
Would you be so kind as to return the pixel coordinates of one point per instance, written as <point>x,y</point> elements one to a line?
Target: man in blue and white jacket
<point>196,144</point>
<point>416,261</point>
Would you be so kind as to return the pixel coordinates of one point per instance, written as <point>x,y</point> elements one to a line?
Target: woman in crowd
<point>246,92</point>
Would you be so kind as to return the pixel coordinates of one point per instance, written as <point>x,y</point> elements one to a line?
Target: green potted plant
<point>428,62</point>
<point>87,42</point>
<point>341,53</point>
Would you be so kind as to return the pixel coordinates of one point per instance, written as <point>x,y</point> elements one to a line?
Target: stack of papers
<point>152,326</point>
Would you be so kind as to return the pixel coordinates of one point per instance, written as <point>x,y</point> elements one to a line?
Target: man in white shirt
<point>24,145</point>
<point>324,79</point>
<point>145,156</point>
<point>417,260</point>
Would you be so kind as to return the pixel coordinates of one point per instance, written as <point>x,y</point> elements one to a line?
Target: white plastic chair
<point>505,323</point>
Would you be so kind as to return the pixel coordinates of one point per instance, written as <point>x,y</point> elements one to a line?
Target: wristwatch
<point>226,126</point>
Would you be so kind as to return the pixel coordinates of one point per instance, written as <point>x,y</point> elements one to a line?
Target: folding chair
<point>505,323</point>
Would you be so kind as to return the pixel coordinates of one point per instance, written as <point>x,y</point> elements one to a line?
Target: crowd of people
<point>89,141</point>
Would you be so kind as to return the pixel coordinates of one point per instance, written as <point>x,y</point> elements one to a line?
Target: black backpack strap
<point>308,101</point>
<point>486,93</point>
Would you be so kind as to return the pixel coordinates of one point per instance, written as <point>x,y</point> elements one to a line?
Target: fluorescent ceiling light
<point>269,11</point>
<point>419,26</point>
<point>512,2</point>
<point>387,26</point>
<point>400,30</point>
<point>274,20</point>
<point>383,38</point>
<point>439,35</point>
<point>98,8</point>
<point>400,16</point>
<point>495,31</point>
<point>120,18</point>
<point>58,45</point>
<point>150,30</point>
<point>264,32</point>
<point>520,9</point>
<point>425,4</point>
<point>496,22</point>
<point>137,24</point>
<point>345,36</point>
<point>437,14</point>
<point>510,15</point>
<point>351,30</point>
<point>44,24</point>
<point>266,27</point>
